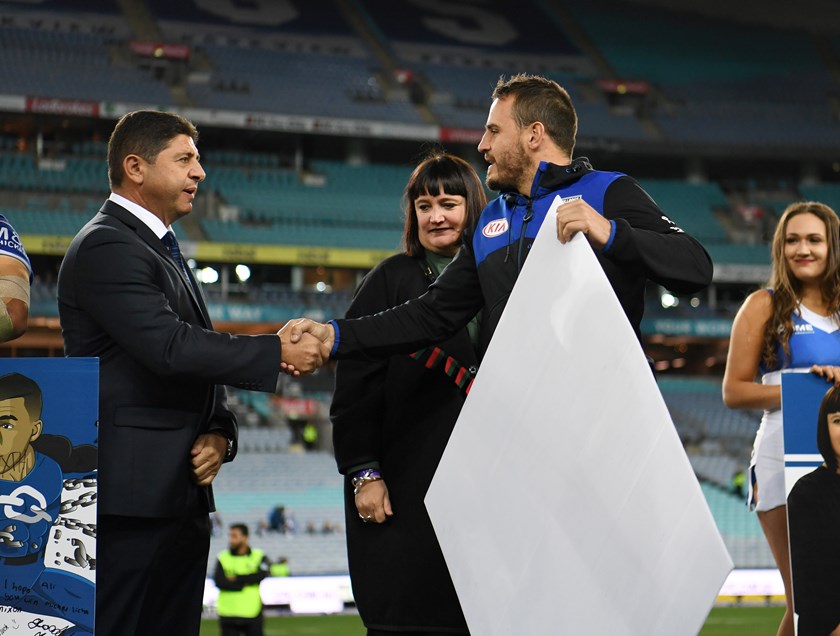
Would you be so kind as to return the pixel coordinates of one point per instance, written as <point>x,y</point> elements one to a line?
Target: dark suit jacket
<point>123,299</point>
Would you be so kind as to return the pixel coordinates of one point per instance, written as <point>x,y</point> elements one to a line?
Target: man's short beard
<point>518,166</point>
<point>497,185</point>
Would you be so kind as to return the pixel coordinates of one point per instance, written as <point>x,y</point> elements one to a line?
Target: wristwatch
<point>364,476</point>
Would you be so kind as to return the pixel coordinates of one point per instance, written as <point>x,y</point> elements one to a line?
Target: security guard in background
<point>239,571</point>
<point>310,436</point>
<point>281,567</point>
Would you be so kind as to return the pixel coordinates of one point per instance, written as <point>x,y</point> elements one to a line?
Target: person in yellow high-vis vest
<point>239,570</point>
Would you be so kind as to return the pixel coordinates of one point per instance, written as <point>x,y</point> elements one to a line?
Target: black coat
<point>400,414</point>
<point>813,518</point>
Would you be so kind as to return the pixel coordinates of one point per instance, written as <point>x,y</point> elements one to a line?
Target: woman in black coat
<point>392,418</point>
<point>814,520</point>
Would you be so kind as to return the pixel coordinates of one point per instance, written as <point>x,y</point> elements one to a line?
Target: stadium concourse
<point>310,123</point>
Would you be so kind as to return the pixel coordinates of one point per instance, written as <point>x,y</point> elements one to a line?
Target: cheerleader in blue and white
<point>794,324</point>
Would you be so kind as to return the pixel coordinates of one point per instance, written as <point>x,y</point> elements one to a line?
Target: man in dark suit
<point>126,297</point>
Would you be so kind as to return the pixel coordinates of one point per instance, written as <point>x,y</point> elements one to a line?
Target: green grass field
<point>742,621</point>
<point>723,621</point>
<point>341,625</point>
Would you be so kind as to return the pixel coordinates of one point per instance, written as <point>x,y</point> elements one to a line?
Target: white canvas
<point>564,502</point>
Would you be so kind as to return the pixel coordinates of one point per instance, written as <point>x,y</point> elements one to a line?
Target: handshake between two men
<point>306,345</point>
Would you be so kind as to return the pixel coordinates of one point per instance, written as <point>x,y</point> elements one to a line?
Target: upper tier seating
<point>310,84</point>
<point>691,205</point>
<point>72,66</point>
<point>724,83</point>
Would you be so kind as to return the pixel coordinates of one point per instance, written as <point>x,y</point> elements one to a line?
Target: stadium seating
<point>332,204</point>
<point>232,19</point>
<point>698,412</point>
<point>355,206</point>
<point>694,203</point>
<point>737,93</point>
<point>307,484</point>
<point>69,65</point>
<point>660,46</point>
<point>739,254</point>
<point>66,175</point>
<point>739,528</point>
<point>718,442</point>
<point>828,193</point>
<point>272,81</point>
<point>366,194</point>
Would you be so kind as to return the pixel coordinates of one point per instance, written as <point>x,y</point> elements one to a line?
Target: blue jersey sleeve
<point>10,244</point>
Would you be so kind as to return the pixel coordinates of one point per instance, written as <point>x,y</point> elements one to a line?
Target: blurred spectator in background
<point>280,567</point>
<point>738,484</point>
<point>310,436</point>
<point>278,521</point>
